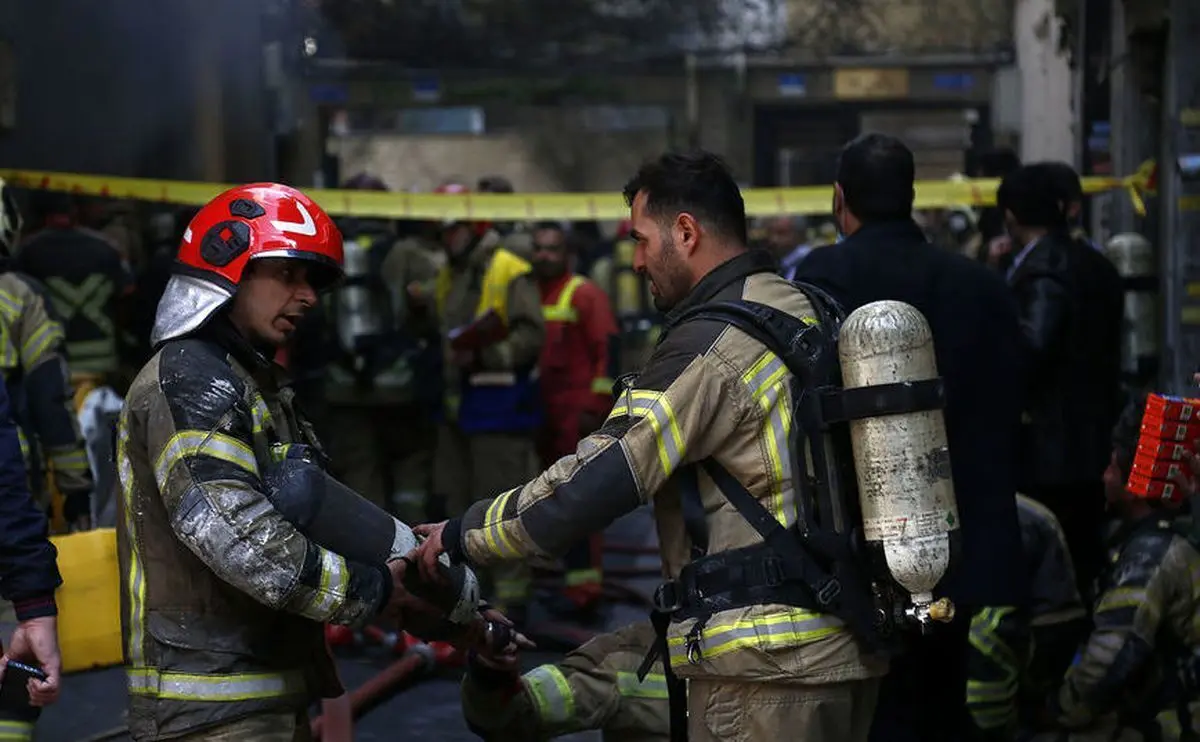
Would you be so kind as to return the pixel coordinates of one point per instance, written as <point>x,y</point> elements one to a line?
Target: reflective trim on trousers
<point>179,686</point>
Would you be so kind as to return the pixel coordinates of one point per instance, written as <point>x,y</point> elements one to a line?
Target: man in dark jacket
<point>28,578</point>
<point>1070,301</point>
<point>885,256</point>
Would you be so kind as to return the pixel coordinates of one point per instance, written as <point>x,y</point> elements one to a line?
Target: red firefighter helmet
<point>259,220</point>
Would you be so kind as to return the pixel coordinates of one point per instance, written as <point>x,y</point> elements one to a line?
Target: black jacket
<point>1071,305</point>
<point>976,340</point>
<point>28,561</point>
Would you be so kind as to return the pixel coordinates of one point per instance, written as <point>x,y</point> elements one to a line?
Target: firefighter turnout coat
<point>708,390</point>
<point>223,600</point>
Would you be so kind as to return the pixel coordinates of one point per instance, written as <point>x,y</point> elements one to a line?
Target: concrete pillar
<point>1047,86</point>
<point>1180,199</point>
<point>204,54</point>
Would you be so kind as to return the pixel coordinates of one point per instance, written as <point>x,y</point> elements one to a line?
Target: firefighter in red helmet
<point>223,599</point>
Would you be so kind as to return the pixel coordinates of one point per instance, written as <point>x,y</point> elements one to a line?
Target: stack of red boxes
<point>1170,431</point>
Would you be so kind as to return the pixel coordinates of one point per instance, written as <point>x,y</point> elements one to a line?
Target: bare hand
<point>997,248</point>
<point>35,642</point>
<point>426,554</point>
<point>404,605</point>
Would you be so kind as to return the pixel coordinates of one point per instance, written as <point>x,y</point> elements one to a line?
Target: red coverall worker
<point>575,382</point>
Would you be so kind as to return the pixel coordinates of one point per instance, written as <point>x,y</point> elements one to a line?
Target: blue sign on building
<point>792,84</point>
<point>954,81</point>
<point>427,89</point>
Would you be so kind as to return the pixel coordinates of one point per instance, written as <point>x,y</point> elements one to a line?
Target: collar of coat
<point>731,271</point>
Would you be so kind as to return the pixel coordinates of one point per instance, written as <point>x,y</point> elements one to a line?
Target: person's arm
<point>680,410</point>
<point>1127,620</point>
<point>1043,304</point>
<point>28,561</point>
<point>600,329</point>
<point>198,435</point>
<point>595,687</point>
<point>526,329</point>
<point>39,339</point>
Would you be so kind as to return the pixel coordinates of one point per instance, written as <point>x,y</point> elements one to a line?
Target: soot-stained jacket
<point>708,390</point>
<point>223,600</point>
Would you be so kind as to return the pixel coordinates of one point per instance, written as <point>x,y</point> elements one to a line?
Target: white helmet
<point>10,221</point>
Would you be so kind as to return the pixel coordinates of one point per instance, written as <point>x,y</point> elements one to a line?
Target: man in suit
<point>884,255</point>
<point>1070,301</point>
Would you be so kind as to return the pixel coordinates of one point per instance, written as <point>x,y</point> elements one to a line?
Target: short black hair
<point>549,224</point>
<point>998,162</point>
<point>1066,181</point>
<point>1033,193</point>
<point>697,182</point>
<point>876,173</point>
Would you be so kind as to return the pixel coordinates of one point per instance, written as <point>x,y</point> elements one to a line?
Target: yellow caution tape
<point>528,206</point>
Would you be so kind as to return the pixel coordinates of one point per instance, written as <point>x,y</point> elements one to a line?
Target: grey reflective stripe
<point>655,408</point>
<point>654,686</point>
<point>761,379</point>
<point>16,731</point>
<point>178,686</point>
<point>551,693</point>
<point>209,443</point>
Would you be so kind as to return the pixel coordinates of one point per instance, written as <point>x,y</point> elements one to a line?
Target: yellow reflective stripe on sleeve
<point>187,443</point>
<point>1122,597</point>
<point>331,595</point>
<point>40,343</point>
<point>260,414</point>
<point>766,379</point>
<point>602,385</point>
<point>494,535</point>
<point>576,577</point>
<point>135,579</point>
<point>10,307</point>
<point>654,407</point>
<point>991,691</point>
<point>180,686</point>
<point>551,694</point>
<point>788,629</point>
<point>984,639</point>
<point>654,686</point>
<point>16,731</point>
<point>993,717</point>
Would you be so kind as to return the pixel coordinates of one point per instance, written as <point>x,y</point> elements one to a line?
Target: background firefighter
<point>490,312</point>
<point>575,381</point>
<point>377,365</point>
<point>223,599</point>
<point>35,370</point>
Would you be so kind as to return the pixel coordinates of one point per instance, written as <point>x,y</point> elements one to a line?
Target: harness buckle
<point>829,591</point>
<point>668,597</point>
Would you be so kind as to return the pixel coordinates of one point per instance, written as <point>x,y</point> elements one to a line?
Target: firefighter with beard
<point>223,598</point>
<point>380,365</point>
<point>694,436</point>
<point>1137,677</point>
<point>575,380</point>
<point>490,311</point>
<point>36,373</point>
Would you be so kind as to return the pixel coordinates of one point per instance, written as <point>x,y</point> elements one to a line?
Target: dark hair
<point>1127,430</point>
<point>697,182</point>
<point>876,173</point>
<point>1033,194</point>
<point>998,162</point>
<point>548,224</point>
<point>1066,181</point>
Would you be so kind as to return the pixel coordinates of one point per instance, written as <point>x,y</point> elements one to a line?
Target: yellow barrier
<point>89,601</point>
<point>528,206</point>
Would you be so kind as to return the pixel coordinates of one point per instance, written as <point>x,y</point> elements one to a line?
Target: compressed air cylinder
<point>902,461</point>
<point>1134,258</point>
<point>341,520</point>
